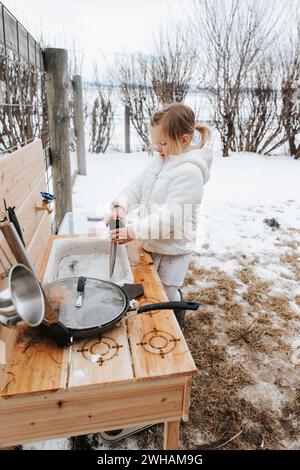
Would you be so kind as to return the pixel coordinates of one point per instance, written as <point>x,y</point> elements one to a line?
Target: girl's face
<point>164,145</point>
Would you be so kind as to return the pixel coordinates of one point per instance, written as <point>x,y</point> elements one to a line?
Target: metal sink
<point>87,257</point>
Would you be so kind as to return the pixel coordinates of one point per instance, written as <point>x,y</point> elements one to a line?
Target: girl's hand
<point>122,235</point>
<point>117,213</point>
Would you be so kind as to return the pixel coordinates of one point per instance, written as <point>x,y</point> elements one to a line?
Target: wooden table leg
<point>171,435</point>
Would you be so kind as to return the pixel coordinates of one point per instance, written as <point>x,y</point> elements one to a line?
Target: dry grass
<point>293,244</point>
<point>217,411</point>
<point>151,438</point>
<point>232,310</point>
<point>216,408</point>
<point>256,292</point>
<point>245,275</point>
<point>292,260</point>
<point>205,296</point>
<point>250,335</point>
<point>280,305</point>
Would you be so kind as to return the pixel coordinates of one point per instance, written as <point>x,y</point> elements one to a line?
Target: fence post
<point>79,124</point>
<point>56,68</point>
<point>127,129</point>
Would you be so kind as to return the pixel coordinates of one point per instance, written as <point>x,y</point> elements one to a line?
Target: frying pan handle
<point>59,332</point>
<point>169,305</point>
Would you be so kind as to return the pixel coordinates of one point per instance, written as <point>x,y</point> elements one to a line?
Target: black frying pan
<point>104,304</point>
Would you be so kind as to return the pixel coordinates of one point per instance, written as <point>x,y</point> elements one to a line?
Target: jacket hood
<point>201,158</point>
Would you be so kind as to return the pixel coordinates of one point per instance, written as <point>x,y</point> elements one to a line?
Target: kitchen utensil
<point>104,306</point>
<point>114,224</point>
<point>14,220</point>
<point>80,291</point>
<point>59,332</point>
<point>22,302</point>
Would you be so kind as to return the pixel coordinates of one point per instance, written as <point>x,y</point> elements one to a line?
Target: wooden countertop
<point>142,348</point>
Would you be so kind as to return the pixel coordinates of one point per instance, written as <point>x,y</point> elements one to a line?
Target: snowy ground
<point>247,276</point>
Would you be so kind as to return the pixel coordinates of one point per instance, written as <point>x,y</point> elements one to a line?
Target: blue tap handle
<point>48,196</point>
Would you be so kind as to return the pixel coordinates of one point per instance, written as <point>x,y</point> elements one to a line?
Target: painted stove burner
<point>100,350</point>
<point>158,342</point>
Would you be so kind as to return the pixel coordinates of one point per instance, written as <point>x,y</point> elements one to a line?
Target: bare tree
<point>232,36</point>
<point>290,91</point>
<point>76,59</point>
<point>137,93</point>
<point>257,114</point>
<point>101,120</point>
<point>148,81</point>
<point>21,99</point>
<point>172,66</point>
<point>286,123</point>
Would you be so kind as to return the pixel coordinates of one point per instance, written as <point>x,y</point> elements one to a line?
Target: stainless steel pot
<point>22,302</point>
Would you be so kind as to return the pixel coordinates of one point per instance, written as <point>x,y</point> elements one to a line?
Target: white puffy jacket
<point>167,194</point>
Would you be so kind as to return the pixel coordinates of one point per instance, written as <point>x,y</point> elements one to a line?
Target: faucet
<point>47,198</point>
<point>44,207</point>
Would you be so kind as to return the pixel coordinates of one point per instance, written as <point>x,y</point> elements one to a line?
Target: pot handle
<point>169,305</point>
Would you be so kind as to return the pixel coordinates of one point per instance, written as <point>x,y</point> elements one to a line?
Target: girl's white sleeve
<point>184,193</point>
<point>130,197</point>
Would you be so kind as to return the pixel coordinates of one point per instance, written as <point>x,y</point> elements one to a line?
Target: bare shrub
<point>232,36</point>
<point>101,121</point>
<point>257,123</point>
<point>172,66</point>
<point>148,81</point>
<point>22,103</point>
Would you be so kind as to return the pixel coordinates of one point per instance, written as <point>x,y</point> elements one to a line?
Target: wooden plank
<point>79,124</point>
<point>56,68</point>
<point>7,259</point>
<point>187,399</point>
<point>22,177</point>
<point>157,344</point>
<point>45,257</point>
<point>101,360</point>
<point>171,435</point>
<point>84,410</point>
<point>36,246</point>
<point>39,242</point>
<point>28,217</point>
<point>8,336</point>
<point>19,172</point>
<point>37,365</point>
<point>146,274</point>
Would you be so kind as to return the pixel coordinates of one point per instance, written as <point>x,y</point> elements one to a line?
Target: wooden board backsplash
<point>22,178</point>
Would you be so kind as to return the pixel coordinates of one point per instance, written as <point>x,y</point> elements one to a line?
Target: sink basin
<point>87,257</point>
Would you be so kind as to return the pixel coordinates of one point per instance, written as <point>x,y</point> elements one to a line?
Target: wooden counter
<point>142,376</point>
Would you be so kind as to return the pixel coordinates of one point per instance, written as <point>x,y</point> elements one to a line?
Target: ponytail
<point>204,132</point>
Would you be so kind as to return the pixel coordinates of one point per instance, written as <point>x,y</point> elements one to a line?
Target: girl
<point>167,194</point>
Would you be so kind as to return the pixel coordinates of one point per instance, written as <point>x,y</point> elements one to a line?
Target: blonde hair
<point>178,119</point>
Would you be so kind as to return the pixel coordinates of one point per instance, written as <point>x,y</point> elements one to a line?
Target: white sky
<point>101,28</point>
<point>97,26</point>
